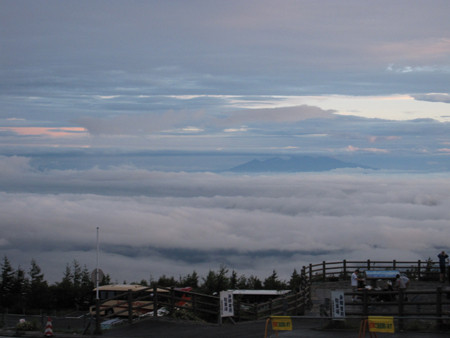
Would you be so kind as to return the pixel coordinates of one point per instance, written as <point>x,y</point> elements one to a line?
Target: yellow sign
<point>281,323</point>
<point>381,324</point>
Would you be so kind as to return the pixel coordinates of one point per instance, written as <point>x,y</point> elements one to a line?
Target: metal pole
<point>96,270</point>
<point>97,298</point>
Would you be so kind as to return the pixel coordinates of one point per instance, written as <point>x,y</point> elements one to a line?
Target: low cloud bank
<point>155,223</point>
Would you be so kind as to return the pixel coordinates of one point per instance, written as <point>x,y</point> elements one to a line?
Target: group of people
<point>401,283</point>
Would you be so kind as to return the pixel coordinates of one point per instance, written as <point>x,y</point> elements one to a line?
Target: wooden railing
<point>419,270</point>
<point>293,304</point>
<point>405,305</point>
<point>206,307</point>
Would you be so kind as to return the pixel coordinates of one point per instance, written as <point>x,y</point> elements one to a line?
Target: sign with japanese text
<point>226,304</point>
<point>337,304</point>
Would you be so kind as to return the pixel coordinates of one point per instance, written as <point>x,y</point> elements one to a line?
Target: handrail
<point>343,269</point>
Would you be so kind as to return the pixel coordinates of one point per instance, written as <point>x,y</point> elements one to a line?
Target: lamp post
<point>97,300</point>
<point>96,268</point>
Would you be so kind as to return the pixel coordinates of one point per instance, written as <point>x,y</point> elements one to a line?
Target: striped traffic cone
<point>48,328</point>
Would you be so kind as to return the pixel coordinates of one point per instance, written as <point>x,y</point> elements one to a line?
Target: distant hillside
<point>295,164</point>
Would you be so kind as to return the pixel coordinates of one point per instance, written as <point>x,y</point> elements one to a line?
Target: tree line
<point>28,292</point>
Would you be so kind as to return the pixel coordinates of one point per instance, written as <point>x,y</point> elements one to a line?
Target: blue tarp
<point>381,274</point>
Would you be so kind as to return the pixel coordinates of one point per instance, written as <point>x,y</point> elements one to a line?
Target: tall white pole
<point>97,275</point>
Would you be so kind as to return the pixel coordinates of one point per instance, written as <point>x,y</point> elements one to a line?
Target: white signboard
<point>226,304</point>
<point>337,304</point>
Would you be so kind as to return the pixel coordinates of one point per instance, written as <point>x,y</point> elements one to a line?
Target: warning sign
<point>381,324</point>
<point>280,323</point>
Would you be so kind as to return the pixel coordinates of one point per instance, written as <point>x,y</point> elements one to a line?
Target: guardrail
<point>196,305</point>
<point>407,305</point>
<point>419,270</point>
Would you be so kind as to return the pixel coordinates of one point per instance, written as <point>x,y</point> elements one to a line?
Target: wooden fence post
<point>365,303</point>
<point>401,308</point>
<point>172,299</point>
<point>130,307</point>
<point>368,264</point>
<point>324,271</point>
<point>155,301</point>
<point>310,272</point>
<point>439,306</point>
<point>394,264</point>
<point>194,304</point>
<point>344,263</point>
<point>237,309</point>
<point>419,268</point>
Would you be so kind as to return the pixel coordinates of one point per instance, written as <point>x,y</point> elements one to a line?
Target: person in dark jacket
<point>442,261</point>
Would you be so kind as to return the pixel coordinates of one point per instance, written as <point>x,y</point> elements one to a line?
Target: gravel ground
<point>164,328</point>
<point>256,329</point>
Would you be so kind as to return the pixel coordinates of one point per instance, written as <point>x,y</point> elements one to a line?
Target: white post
<point>97,275</point>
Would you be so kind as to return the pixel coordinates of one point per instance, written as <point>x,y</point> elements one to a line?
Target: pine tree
<point>7,284</point>
<point>19,291</point>
<point>190,280</point>
<point>295,281</point>
<point>38,294</point>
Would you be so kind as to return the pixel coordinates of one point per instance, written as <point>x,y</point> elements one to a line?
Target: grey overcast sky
<point>114,114</point>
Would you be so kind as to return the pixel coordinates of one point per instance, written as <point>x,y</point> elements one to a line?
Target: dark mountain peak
<point>294,164</point>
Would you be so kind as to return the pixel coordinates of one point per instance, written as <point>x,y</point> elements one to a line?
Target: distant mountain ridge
<point>295,164</point>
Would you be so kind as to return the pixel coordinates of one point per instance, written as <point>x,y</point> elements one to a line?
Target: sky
<point>127,116</point>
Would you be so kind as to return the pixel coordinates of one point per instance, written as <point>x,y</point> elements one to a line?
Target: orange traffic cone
<point>48,328</point>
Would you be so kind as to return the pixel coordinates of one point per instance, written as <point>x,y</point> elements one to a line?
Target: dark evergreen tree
<point>64,292</point>
<point>273,283</point>
<point>7,284</point>
<point>216,282</point>
<point>209,285</point>
<point>295,281</point>
<point>19,291</point>
<point>106,280</point>
<point>38,294</point>
<point>190,280</point>
<point>223,282</point>
<point>166,281</point>
<point>242,283</point>
<point>254,283</point>
<point>233,280</point>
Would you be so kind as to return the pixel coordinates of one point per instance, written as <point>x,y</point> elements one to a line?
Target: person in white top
<point>354,282</point>
<point>402,283</point>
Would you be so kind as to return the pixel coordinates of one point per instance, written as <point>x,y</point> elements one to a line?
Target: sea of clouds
<point>154,223</point>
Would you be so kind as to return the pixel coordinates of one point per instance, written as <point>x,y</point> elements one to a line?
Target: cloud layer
<point>155,223</point>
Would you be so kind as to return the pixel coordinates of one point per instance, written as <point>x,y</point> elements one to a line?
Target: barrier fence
<point>433,305</point>
<point>330,271</point>
<point>412,303</point>
<point>164,301</point>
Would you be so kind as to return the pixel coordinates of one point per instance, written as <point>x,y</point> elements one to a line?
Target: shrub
<point>23,325</point>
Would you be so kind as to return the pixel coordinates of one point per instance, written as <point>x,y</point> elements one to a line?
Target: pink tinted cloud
<point>45,131</point>
<point>373,139</point>
<point>351,148</point>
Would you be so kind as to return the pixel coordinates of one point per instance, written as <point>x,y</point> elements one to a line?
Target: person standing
<point>442,260</point>
<point>401,284</point>
<point>354,283</point>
